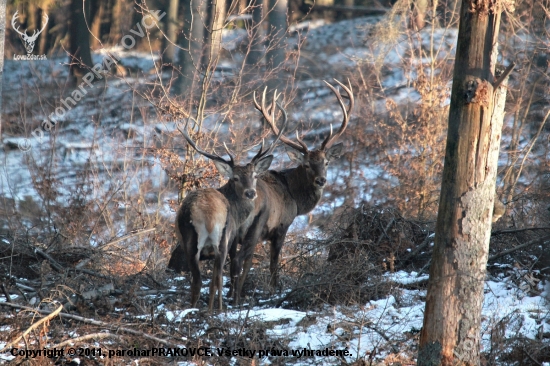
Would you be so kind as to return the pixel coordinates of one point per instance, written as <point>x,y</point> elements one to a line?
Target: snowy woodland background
<point>88,198</point>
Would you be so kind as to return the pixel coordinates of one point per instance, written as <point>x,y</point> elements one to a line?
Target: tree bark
<point>452,318</point>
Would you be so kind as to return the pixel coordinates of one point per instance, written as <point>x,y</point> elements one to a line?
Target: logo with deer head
<point>28,41</point>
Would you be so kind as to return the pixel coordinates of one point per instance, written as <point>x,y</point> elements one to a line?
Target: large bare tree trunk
<point>452,319</point>
<point>2,40</point>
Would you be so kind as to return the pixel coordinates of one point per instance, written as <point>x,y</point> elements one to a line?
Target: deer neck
<point>306,194</point>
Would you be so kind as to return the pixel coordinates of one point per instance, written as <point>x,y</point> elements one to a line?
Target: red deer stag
<point>286,194</point>
<point>208,219</point>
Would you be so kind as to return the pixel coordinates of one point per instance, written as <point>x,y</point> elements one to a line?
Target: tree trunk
<point>418,14</point>
<point>347,14</point>
<point>276,43</point>
<point>255,49</point>
<point>2,40</point>
<point>191,42</point>
<point>116,14</point>
<point>213,33</point>
<point>80,57</point>
<point>96,25</point>
<point>452,318</point>
<point>44,44</point>
<point>171,31</point>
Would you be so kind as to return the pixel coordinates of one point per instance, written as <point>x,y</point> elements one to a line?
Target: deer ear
<point>295,156</point>
<point>262,165</point>
<point>335,151</point>
<point>224,169</point>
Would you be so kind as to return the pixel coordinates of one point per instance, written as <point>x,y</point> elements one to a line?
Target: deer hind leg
<point>196,284</point>
<point>223,255</point>
<point>218,243</point>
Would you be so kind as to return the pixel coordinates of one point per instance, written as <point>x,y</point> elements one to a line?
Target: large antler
<point>262,153</point>
<point>215,157</point>
<point>269,115</point>
<point>327,143</point>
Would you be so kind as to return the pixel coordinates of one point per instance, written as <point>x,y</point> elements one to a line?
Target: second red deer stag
<point>285,194</point>
<point>209,218</point>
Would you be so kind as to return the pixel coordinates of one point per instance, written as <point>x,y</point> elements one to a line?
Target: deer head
<point>28,40</point>
<point>241,177</point>
<point>314,162</point>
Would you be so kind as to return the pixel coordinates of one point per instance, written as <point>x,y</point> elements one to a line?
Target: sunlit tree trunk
<point>171,30</point>
<point>116,14</point>
<point>452,318</point>
<point>96,25</point>
<point>213,33</point>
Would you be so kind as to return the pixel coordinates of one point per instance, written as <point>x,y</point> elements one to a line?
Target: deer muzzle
<point>250,194</point>
<point>320,181</point>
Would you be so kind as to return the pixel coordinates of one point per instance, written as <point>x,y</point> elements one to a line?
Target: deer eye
<point>236,179</point>
<point>326,163</point>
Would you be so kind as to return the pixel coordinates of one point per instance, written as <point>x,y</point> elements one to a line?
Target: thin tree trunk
<point>276,37</point>
<point>276,44</point>
<point>171,31</point>
<point>213,33</point>
<point>452,318</point>
<point>418,14</point>
<point>96,26</point>
<point>191,44</point>
<point>43,44</point>
<point>116,14</point>
<point>80,57</point>
<point>256,47</point>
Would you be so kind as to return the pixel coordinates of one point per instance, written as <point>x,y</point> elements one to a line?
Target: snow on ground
<point>373,327</point>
